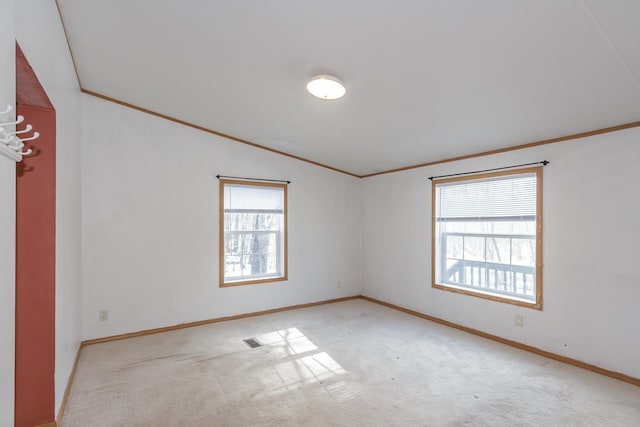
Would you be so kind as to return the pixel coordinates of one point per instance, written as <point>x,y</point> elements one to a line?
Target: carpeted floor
<point>352,363</point>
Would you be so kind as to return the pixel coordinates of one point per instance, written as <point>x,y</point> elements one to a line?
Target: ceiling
<point>426,79</point>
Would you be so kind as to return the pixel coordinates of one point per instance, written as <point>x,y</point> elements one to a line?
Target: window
<point>487,236</point>
<point>253,232</point>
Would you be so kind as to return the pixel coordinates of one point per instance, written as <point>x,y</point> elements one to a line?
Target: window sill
<point>252,281</point>
<point>485,295</point>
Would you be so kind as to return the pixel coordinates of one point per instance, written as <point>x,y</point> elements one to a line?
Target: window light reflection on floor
<point>297,362</point>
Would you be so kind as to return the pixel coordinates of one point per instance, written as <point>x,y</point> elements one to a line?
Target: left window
<point>253,232</point>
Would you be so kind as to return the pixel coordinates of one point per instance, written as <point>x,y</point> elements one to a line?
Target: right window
<point>487,236</point>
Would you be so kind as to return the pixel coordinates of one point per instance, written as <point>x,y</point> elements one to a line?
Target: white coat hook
<point>36,135</point>
<point>25,130</point>
<point>7,110</point>
<point>19,120</point>
<point>26,153</point>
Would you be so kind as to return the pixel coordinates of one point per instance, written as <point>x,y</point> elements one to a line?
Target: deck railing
<point>501,278</point>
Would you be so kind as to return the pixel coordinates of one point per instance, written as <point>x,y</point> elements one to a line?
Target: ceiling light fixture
<point>326,87</point>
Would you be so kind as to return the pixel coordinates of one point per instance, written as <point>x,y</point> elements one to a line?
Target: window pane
<point>454,247</point>
<point>498,250</point>
<point>252,221</point>
<point>474,248</point>
<point>523,252</point>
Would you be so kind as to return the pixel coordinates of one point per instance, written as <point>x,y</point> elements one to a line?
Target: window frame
<point>538,238</point>
<point>221,232</point>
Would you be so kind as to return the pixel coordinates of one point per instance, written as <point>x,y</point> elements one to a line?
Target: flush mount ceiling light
<point>326,87</point>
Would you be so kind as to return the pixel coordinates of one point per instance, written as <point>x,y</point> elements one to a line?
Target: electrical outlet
<point>339,284</point>
<point>519,320</point>
<point>103,315</point>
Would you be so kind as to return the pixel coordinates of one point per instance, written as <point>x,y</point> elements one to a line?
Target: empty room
<point>285,213</point>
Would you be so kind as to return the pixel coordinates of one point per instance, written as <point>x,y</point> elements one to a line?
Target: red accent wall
<point>35,255</point>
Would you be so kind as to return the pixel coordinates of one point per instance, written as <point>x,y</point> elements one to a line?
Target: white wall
<point>150,224</point>
<point>40,34</point>
<point>591,247</point>
<point>7,222</point>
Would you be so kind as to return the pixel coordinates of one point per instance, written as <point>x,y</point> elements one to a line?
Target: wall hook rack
<point>11,144</point>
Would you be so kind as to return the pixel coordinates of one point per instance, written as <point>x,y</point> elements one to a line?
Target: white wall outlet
<point>103,315</point>
<point>339,284</point>
<point>519,320</point>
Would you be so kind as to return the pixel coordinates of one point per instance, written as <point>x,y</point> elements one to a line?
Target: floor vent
<point>252,342</point>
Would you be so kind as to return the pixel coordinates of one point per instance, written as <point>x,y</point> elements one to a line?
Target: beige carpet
<point>352,363</point>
